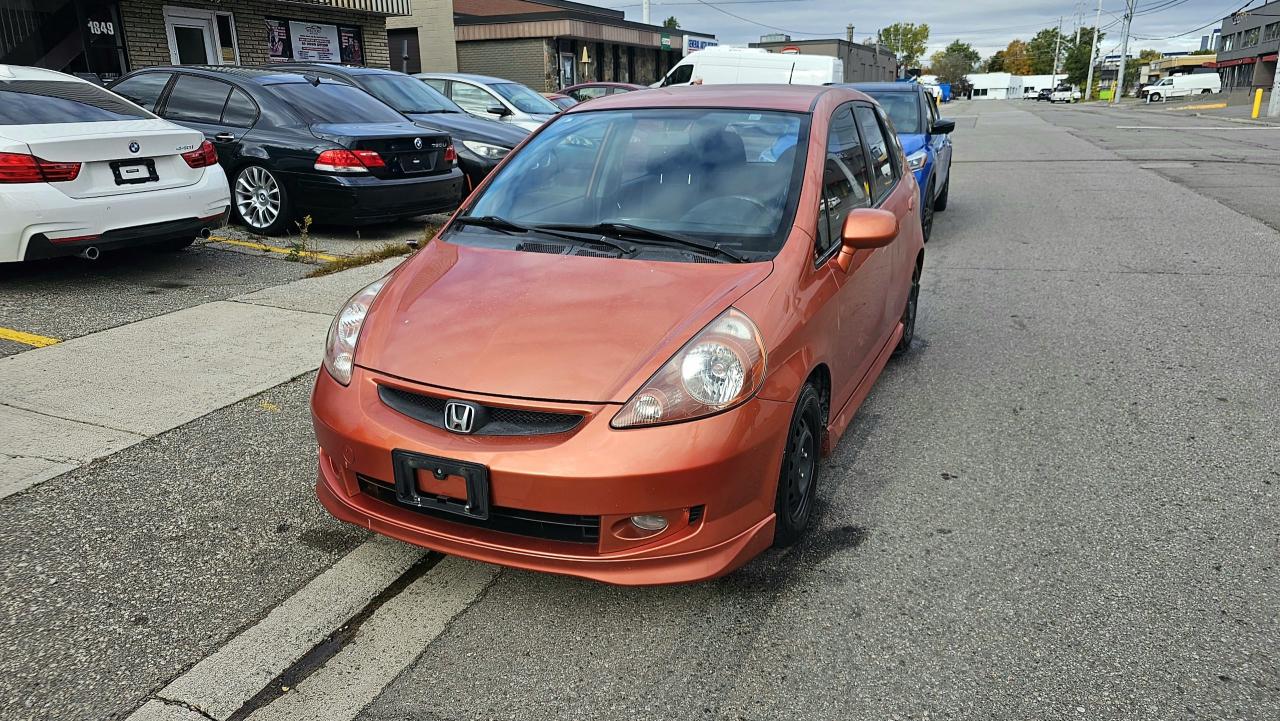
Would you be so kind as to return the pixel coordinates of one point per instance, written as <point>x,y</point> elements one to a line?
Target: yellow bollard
<point>1257,103</point>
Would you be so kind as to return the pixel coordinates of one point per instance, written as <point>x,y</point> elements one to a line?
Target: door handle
<point>224,138</point>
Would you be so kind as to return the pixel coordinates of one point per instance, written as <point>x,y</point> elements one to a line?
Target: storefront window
<point>73,36</point>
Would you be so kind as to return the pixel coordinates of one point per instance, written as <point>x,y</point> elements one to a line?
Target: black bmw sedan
<point>294,145</point>
<point>480,142</point>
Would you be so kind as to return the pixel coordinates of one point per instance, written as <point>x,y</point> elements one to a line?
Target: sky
<point>988,25</point>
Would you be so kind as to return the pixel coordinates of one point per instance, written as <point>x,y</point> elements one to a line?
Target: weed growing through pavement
<point>301,247</point>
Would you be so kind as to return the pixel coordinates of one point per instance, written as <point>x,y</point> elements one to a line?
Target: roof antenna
<point>313,79</point>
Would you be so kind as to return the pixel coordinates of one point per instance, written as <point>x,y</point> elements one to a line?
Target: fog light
<point>652,524</point>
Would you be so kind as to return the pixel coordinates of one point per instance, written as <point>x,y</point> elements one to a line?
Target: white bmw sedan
<point>82,170</point>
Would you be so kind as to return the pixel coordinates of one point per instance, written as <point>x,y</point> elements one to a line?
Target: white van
<point>1180,85</point>
<point>724,66</point>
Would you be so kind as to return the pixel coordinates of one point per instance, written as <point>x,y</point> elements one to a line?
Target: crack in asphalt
<point>74,420</point>
<point>185,705</point>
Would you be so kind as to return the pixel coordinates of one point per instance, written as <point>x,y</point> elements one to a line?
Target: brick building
<point>545,44</point>
<point>862,63</point>
<point>107,38</point>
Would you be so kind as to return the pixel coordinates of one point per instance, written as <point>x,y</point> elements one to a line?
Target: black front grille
<point>533,524</point>
<point>496,420</point>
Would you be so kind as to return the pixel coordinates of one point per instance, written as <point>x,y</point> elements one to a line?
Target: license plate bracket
<point>417,162</point>
<point>406,465</point>
<point>133,172</point>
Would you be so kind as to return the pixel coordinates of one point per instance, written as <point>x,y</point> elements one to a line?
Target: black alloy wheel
<point>909,314</point>
<point>926,212</point>
<point>798,481</point>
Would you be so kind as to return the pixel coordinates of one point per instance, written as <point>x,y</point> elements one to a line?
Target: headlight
<point>916,160</point>
<point>485,150</point>
<point>344,332</point>
<point>720,368</point>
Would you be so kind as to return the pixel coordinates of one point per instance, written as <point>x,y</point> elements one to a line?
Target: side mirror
<point>943,126</point>
<point>865,229</point>
<point>501,111</point>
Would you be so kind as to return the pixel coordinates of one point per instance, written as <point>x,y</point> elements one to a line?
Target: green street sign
<point>666,41</point>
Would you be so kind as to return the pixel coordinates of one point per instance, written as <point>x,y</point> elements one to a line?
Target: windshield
<point>525,100</point>
<point>903,109</point>
<point>331,102</point>
<point>407,95</point>
<point>707,174</point>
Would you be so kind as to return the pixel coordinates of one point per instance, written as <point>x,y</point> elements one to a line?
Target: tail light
<point>349,161</point>
<point>203,156</point>
<point>450,154</point>
<point>21,168</point>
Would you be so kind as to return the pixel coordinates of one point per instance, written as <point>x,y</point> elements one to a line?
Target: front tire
<point>940,203</point>
<point>926,212</point>
<point>798,480</point>
<point>260,200</point>
<point>1155,97</point>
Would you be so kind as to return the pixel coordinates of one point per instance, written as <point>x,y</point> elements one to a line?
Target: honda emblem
<point>459,416</point>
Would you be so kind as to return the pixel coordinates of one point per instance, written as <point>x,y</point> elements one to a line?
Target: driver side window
<point>472,99</point>
<point>846,181</point>
<point>679,76</point>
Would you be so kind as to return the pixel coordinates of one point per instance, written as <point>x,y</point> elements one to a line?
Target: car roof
<point>883,87</point>
<point>337,67</point>
<point>484,79</point>
<point>257,76</point>
<point>793,98</point>
<point>24,72</point>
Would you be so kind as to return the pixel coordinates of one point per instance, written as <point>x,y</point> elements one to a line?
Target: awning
<point>377,7</point>
<point>1237,61</point>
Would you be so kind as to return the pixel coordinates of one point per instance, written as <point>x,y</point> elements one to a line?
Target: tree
<point>1077,63</point>
<point>1203,52</point>
<point>907,40</point>
<point>995,63</point>
<point>1040,50</point>
<point>1017,59</point>
<point>955,61</point>
<point>671,22</point>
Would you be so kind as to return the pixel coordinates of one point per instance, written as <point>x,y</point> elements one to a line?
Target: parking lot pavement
<point>71,297</point>
<point>1062,504</point>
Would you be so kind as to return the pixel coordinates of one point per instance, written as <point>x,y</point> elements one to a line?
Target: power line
<point>756,22</point>
<point>1215,21</point>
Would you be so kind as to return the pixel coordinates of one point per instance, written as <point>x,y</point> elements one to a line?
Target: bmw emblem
<point>134,147</point>
<point>417,143</point>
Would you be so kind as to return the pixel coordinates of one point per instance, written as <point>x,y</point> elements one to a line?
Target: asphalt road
<point>1062,504</point>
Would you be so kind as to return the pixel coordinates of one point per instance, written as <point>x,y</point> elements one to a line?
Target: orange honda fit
<point>623,356</point>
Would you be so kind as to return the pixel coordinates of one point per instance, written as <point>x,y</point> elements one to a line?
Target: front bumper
<point>357,200</point>
<point>714,479</point>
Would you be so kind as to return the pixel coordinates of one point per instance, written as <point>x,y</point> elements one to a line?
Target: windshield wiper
<point>496,222</point>
<point>640,232</point>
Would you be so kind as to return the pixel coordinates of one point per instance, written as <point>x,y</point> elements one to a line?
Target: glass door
<point>191,41</point>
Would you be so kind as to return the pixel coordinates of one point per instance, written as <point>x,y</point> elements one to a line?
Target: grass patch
<point>390,250</point>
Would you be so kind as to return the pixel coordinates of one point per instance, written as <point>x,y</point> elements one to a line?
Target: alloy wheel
<point>258,197</point>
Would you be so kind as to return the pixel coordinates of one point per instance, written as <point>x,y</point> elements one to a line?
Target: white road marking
<point>224,681</point>
<point>385,645</point>
<point>1198,127</point>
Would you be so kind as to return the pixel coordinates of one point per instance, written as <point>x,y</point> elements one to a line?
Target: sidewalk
<point>68,404</point>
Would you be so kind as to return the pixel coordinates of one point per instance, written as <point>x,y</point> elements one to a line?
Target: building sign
<point>299,40</point>
<point>693,44</point>
<point>665,42</point>
<point>315,41</point>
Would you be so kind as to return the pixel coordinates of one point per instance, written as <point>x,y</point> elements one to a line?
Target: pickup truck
<point>1064,94</point>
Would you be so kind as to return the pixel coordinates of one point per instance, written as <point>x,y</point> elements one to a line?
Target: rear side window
<point>33,102</point>
<point>882,175</point>
<point>335,103</point>
<point>143,89</point>
<point>196,100</point>
<point>845,180</point>
<point>240,111</point>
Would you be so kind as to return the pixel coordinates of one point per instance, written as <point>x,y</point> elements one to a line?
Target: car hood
<point>539,326</point>
<point>464,126</point>
<point>911,142</point>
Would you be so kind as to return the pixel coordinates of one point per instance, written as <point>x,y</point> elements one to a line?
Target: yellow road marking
<point>275,249</point>
<point>1202,106</point>
<point>31,339</point>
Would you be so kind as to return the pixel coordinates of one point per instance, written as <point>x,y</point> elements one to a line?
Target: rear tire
<point>798,479</point>
<point>909,314</point>
<point>260,201</point>
<point>940,203</point>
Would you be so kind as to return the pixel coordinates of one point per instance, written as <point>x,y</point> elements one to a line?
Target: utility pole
<point>1093,50</point>
<point>1124,50</point>
<point>644,10</point>
<point>1057,44</point>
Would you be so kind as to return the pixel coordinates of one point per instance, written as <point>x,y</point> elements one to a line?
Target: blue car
<point>925,137</point>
